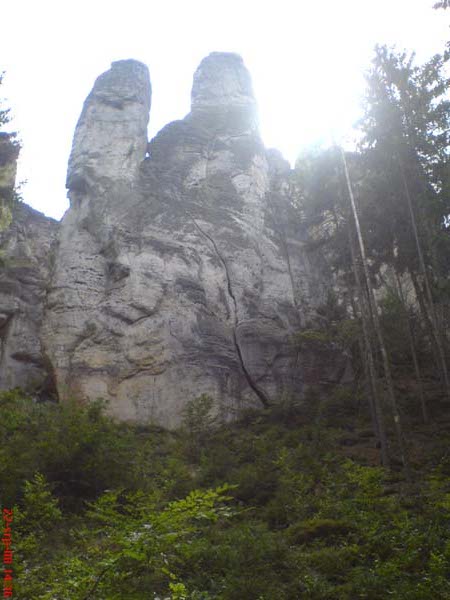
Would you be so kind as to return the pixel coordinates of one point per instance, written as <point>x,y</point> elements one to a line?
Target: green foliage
<point>269,508</point>
<point>313,529</point>
<point>36,521</point>
<point>198,422</point>
<point>344,332</point>
<point>311,338</point>
<point>40,510</point>
<point>401,180</point>
<point>348,332</point>
<point>406,132</point>
<point>130,542</point>
<point>79,450</point>
<point>9,151</point>
<point>394,317</point>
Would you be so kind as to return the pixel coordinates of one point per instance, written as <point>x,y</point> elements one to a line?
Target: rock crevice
<point>252,384</point>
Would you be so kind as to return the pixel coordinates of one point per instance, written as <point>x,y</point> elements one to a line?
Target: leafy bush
<point>77,448</point>
<point>264,508</point>
<point>311,338</point>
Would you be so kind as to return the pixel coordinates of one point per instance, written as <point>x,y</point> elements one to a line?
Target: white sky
<point>306,57</point>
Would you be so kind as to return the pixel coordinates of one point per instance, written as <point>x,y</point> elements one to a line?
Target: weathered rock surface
<point>181,267</point>
<point>111,135</point>
<point>183,271</point>
<point>24,276</point>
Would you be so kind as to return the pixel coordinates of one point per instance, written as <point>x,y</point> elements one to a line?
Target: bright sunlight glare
<point>307,60</point>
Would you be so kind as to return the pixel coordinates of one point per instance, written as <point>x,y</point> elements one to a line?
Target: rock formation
<point>24,275</point>
<point>181,266</point>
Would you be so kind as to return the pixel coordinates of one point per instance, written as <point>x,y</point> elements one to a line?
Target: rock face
<point>24,275</point>
<point>181,267</point>
<point>111,135</point>
<point>25,247</point>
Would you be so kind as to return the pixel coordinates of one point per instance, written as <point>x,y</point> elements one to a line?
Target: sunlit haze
<point>307,60</point>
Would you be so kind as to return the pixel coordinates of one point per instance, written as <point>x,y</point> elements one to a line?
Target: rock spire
<point>180,268</point>
<point>110,138</point>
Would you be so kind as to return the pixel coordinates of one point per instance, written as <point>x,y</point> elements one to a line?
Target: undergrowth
<point>275,506</point>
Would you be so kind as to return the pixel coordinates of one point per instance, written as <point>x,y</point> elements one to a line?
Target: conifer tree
<point>9,151</point>
<point>406,141</point>
<point>374,314</point>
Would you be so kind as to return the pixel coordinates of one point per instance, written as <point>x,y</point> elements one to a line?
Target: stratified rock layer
<point>183,271</point>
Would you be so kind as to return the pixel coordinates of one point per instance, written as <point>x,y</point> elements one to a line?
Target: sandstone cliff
<point>24,276</point>
<point>181,266</point>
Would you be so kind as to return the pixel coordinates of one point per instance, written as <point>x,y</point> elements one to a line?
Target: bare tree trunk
<point>374,397</point>
<point>376,320</point>
<point>367,387</point>
<point>413,349</point>
<point>431,307</point>
<point>427,321</point>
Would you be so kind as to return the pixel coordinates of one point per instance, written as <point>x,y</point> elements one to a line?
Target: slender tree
<point>412,346</point>
<point>320,177</point>
<point>374,397</point>
<point>431,307</point>
<point>406,149</point>
<point>374,314</point>
<point>9,151</point>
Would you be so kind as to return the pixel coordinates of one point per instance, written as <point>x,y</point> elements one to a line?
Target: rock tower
<point>181,266</point>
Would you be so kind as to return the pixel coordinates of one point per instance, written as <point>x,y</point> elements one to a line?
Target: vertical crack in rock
<point>262,396</point>
<point>207,91</point>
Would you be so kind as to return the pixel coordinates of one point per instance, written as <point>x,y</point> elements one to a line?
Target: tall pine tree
<point>406,150</point>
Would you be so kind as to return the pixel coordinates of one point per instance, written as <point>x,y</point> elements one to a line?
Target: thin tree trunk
<point>427,320</point>
<point>431,307</point>
<point>367,386</point>
<point>413,349</point>
<point>376,321</point>
<point>374,397</point>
